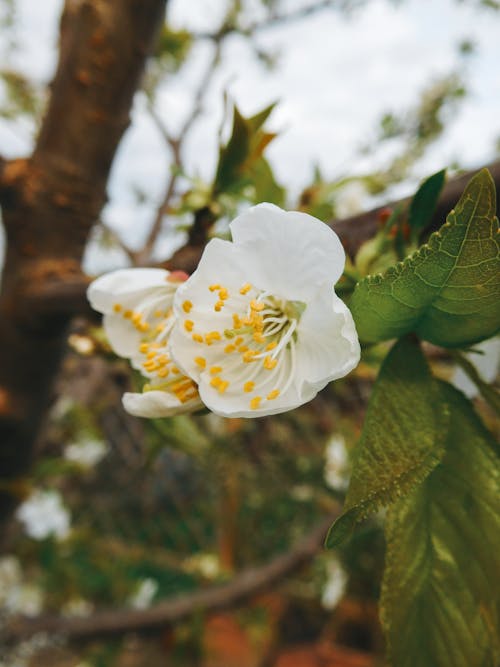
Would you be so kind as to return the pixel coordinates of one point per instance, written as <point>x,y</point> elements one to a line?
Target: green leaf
<point>401,440</point>
<point>439,593</point>
<point>447,291</point>
<point>424,202</point>
<point>234,154</point>
<point>245,147</point>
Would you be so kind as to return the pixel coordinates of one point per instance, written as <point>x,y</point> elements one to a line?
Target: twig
<point>245,585</point>
<point>175,144</point>
<point>131,254</point>
<point>271,21</point>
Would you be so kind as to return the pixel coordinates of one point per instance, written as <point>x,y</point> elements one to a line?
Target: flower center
<point>155,323</point>
<point>256,355</point>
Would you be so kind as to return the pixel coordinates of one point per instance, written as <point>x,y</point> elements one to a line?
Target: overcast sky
<point>335,76</point>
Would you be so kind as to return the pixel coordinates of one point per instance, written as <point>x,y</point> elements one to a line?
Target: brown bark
<point>244,586</point>
<point>50,202</point>
<point>355,230</point>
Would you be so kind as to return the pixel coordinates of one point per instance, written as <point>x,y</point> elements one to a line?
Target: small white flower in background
<point>138,319</point>
<point>16,595</point>
<point>43,514</point>
<point>335,585</point>
<point>86,453</point>
<point>144,594</point>
<point>487,364</point>
<point>349,199</point>
<point>336,471</point>
<point>258,325</point>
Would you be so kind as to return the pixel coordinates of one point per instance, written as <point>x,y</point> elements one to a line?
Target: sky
<point>335,76</point>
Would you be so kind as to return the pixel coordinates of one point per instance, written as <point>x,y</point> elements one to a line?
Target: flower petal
<point>154,404</point>
<point>327,342</point>
<point>124,286</point>
<point>288,253</point>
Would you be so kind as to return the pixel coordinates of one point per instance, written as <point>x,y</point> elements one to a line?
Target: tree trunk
<point>50,202</point>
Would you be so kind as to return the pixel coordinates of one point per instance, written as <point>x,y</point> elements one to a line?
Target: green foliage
<point>21,96</point>
<point>173,47</point>
<point>242,170</point>
<point>424,202</point>
<point>447,291</point>
<point>439,599</point>
<point>401,440</point>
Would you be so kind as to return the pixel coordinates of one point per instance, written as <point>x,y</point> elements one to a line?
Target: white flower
<point>144,594</point>
<point>138,318</point>
<point>43,514</point>
<point>336,463</point>
<point>335,585</point>
<point>86,453</point>
<point>258,324</point>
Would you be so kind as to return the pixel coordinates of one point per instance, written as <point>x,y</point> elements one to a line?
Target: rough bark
<point>355,230</point>
<point>50,202</point>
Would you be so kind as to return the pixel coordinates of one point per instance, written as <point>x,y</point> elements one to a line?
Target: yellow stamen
<point>270,363</point>
<point>198,338</point>
<point>215,370</point>
<point>136,318</point>
<point>243,348</point>
<point>248,386</point>
<point>188,325</point>
<point>255,402</point>
<point>229,348</point>
<point>223,294</point>
<point>143,348</point>
<point>271,346</point>
<point>238,341</point>
<point>151,355</point>
<point>211,336</point>
<point>273,394</point>
<point>216,381</point>
<point>214,288</point>
<point>163,359</point>
<point>127,314</point>
<point>163,372</point>
<point>218,306</point>
<point>200,361</point>
<point>175,370</point>
<point>186,306</point>
<point>256,305</point>
<point>159,328</point>
<point>236,321</point>
<point>246,288</point>
<point>258,337</point>
<point>143,327</point>
<point>117,307</point>
<point>223,386</point>
<point>157,313</point>
<point>249,356</point>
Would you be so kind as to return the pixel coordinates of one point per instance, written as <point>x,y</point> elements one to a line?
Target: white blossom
<point>258,325</point>
<point>144,594</point>
<point>43,514</point>
<point>138,319</point>
<point>16,595</point>
<point>86,452</point>
<point>336,463</point>
<point>335,585</point>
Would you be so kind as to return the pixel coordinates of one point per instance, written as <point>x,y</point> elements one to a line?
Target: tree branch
<point>51,200</point>
<point>113,622</point>
<point>356,229</point>
<point>176,144</point>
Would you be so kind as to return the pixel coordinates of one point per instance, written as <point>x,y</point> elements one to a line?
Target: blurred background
<point>346,104</point>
